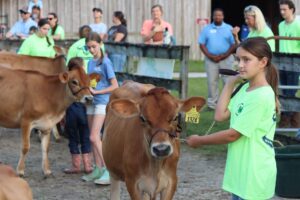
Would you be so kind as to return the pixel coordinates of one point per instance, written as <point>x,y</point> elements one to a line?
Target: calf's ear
<point>95,76</point>
<point>124,108</point>
<point>64,77</point>
<point>188,104</point>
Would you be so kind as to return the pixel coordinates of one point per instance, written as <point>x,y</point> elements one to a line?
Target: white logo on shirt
<point>213,31</point>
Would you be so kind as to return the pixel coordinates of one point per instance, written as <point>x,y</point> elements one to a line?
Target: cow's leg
<point>168,193</point>
<point>114,189</point>
<point>133,191</point>
<point>45,149</point>
<point>55,132</point>
<point>26,130</point>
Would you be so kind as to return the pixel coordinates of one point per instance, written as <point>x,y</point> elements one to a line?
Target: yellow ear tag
<point>192,116</point>
<point>93,83</point>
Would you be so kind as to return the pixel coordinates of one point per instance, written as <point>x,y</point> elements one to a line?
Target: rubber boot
<point>76,162</point>
<point>87,163</point>
<point>284,121</point>
<point>295,120</point>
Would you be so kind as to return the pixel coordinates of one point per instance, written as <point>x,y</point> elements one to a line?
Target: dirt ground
<point>200,172</point>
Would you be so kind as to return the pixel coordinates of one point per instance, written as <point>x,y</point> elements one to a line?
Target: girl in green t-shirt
<point>39,44</point>
<point>250,171</point>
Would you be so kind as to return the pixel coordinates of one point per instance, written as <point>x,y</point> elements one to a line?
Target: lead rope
<point>206,133</point>
<point>211,126</point>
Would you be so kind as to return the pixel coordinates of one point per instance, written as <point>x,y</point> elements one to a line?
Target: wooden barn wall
<point>182,14</point>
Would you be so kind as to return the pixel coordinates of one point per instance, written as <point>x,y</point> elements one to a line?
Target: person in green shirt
<point>39,44</point>
<point>56,31</point>
<point>256,22</point>
<point>289,27</point>
<point>250,171</point>
<point>79,49</point>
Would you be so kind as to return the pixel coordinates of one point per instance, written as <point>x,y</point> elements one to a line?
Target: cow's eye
<point>75,82</point>
<point>143,119</point>
<point>174,119</point>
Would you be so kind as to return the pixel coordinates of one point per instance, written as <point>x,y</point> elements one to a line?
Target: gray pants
<point>212,70</point>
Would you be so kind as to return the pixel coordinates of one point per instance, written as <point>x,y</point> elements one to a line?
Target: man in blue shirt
<point>217,43</point>
<point>20,29</point>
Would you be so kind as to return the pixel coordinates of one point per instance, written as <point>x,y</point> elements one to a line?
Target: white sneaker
<point>104,179</point>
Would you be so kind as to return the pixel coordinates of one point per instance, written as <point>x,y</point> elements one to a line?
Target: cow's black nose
<point>89,98</point>
<point>161,150</point>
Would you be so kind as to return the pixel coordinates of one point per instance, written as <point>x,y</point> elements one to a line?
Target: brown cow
<point>30,99</point>
<point>140,142</point>
<point>11,186</point>
<point>48,66</point>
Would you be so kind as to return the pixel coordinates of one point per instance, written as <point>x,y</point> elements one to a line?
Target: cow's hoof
<point>58,140</point>
<point>21,174</point>
<point>48,174</point>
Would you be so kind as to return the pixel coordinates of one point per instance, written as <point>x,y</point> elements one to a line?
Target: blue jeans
<point>289,78</point>
<point>78,129</point>
<point>118,61</point>
<point>235,197</point>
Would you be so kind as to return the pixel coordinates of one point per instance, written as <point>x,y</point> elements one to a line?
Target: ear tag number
<point>192,116</point>
<point>93,83</point>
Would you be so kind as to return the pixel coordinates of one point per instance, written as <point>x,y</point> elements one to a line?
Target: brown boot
<point>295,120</point>
<point>76,162</point>
<point>87,163</point>
<point>284,121</point>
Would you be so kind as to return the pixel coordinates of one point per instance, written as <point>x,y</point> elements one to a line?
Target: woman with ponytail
<point>118,33</point>
<point>56,31</point>
<point>250,171</point>
<point>39,44</point>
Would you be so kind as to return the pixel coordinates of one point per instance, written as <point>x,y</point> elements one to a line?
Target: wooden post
<point>184,74</point>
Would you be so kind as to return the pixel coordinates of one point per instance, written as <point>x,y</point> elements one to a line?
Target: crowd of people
<point>250,169</point>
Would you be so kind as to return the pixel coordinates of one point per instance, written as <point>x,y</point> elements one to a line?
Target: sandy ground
<point>200,172</point>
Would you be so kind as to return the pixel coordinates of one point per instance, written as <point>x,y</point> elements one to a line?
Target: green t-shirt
<point>250,169</point>
<point>289,30</point>
<point>37,46</point>
<point>267,32</point>
<point>79,49</point>
<point>59,30</point>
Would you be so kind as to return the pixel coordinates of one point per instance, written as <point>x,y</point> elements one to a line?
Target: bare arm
<point>228,52</point>
<point>235,32</point>
<point>119,37</point>
<point>56,37</point>
<point>221,137</point>
<point>222,113</point>
<point>8,34</point>
<point>102,35</point>
<point>207,54</point>
<point>157,27</point>
<point>148,37</point>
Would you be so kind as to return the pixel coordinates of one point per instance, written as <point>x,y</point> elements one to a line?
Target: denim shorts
<point>98,109</point>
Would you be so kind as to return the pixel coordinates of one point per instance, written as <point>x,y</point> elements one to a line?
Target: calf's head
<point>79,83</point>
<point>158,113</point>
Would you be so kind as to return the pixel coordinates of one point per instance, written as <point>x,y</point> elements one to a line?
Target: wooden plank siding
<point>182,14</point>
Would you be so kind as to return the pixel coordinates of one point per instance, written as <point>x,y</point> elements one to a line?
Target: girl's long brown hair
<point>259,47</point>
<point>93,36</point>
